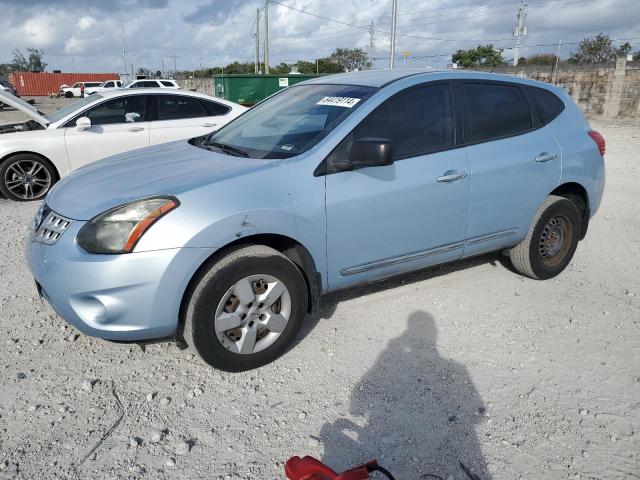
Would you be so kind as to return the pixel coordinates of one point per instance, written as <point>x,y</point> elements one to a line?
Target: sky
<point>86,35</point>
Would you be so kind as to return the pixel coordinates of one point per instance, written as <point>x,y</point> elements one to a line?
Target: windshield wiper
<point>228,149</point>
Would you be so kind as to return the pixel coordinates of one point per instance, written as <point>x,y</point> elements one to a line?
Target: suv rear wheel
<point>551,241</point>
<point>246,309</point>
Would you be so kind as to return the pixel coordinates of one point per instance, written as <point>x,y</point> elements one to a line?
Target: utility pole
<point>174,64</point>
<point>555,70</point>
<point>520,30</point>
<point>394,11</point>
<point>266,37</point>
<point>257,40</point>
<point>162,67</point>
<point>124,53</point>
<point>371,46</point>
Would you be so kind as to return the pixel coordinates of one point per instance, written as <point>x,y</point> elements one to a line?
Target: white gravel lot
<point>468,363</point>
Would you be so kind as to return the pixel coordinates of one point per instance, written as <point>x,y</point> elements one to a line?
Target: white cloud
<point>41,30</point>
<point>85,23</point>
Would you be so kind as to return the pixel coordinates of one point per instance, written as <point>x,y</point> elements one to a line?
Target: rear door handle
<point>546,156</point>
<point>208,125</point>
<point>451,176</point>
<point>136,129</point>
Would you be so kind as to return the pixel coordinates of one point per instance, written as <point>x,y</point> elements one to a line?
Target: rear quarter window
<point>547,104</point>
<point>215,109</point>
<point>167,84</point>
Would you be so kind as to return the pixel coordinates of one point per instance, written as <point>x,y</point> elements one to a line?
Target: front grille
<point>52,228</point>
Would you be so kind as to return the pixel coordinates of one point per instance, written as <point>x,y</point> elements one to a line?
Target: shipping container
<point>36,84</point>
<point>249,89</point>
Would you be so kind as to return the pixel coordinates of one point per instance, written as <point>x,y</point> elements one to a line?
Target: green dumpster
<point>250,89</point>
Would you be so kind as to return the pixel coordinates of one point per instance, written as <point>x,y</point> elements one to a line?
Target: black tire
<point>551,241</point>
<point>214,283</point>
<point>46,173</point>
<point>68,95</point>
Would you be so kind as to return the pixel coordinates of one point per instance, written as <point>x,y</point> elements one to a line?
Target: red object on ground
<point>309,468</point>
<point>36,84</point>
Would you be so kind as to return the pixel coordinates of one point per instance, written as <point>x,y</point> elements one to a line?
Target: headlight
<point>119,229</point>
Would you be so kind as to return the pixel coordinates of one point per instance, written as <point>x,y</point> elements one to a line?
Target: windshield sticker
<point>347,102</point>
<point>287,147</point>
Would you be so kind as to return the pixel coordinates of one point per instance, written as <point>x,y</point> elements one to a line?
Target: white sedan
<point>37,153</point>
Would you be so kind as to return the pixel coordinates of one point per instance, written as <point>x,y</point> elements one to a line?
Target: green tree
<point>32,62</point>
<point>624,49</point>
<point>145,71</point>
<point>350,59</point>
<point>539,59</point>
<point>482,55</point>
<point>599,49</point>
<point>328,65</point>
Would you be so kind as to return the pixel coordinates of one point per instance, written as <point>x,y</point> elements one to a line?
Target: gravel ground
<point>466,363</point>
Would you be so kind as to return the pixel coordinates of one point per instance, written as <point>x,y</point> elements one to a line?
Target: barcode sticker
<point>346,102</point>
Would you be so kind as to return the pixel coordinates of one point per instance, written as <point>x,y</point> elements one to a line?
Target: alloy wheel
<point>27,179</point>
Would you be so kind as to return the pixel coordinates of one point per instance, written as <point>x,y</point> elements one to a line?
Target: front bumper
<point>129,297</point>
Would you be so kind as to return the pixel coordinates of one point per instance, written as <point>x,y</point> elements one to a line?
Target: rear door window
<point>166,83</point>
<point>495,111</point>
<point>175,107</point>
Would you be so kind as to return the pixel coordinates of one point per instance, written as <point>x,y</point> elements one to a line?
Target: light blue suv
<point>226,242</point>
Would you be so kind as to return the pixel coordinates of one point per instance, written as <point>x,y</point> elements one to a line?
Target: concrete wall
<point>202,85</point>
<point>604,92</point>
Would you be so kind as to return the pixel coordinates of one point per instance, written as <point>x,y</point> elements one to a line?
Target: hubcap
<point>252,314</point>
<point>27,179</point>
<point>555,240</point>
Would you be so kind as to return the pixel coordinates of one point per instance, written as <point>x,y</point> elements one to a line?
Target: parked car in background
<point>153,83</point>
<point>78,89</point>
<point>226,242</point>
<point>36,153</point>
<point>103,86</point>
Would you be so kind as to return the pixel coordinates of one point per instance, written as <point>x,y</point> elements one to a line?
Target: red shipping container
<point>36,84</point>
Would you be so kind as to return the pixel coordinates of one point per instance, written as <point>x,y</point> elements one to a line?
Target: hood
<point>168,169</point>
<point>24,107</point>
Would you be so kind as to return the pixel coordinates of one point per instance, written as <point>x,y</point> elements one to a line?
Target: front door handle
<point>451,176</point>
<point>546,156</point>
<point>136,129</point>
<point>209,125</point>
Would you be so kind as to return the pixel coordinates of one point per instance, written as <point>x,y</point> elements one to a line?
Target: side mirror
<point>366,152</point>
<point>83,123</point>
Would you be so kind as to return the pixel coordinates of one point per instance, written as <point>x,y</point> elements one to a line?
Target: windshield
<point>72,107</point>
<point>290,122</point>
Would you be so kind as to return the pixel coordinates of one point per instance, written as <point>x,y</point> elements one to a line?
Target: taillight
<point>599,139</point>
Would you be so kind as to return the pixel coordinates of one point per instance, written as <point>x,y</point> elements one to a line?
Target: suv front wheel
<point>246,309</point>
<point>551,241</point>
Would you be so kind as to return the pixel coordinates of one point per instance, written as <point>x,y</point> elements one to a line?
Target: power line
<point>437,39</point>
<point>319,16</point>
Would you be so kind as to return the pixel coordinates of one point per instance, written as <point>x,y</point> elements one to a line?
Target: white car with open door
<point>37,153</point>
<point>78,89</point>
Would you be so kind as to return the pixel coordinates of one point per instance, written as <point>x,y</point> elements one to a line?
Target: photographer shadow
<point>419,411</point>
